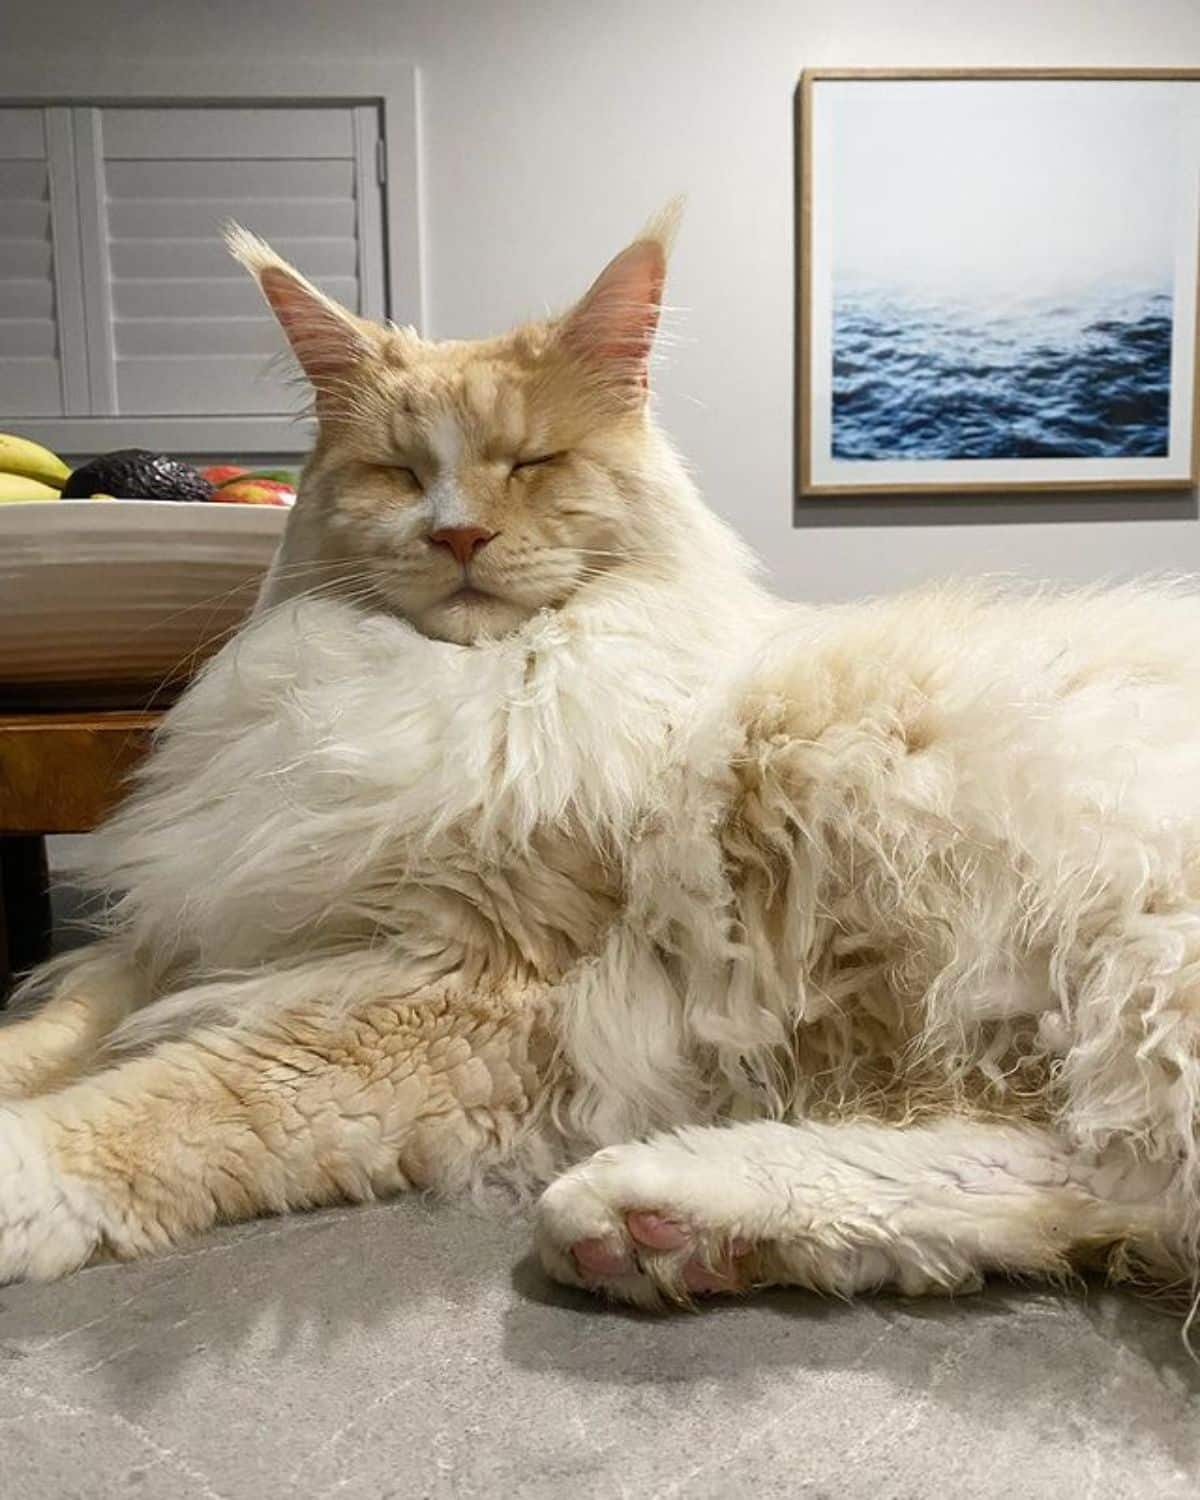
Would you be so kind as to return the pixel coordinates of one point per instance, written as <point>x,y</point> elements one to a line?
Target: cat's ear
<point>611,329</point>
<point>327,340</point>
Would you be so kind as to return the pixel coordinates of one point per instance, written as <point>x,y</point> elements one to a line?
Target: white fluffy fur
<point>49,1224</point>
<point>848,1208</point>
<point>985,804</point>
<point>931,856</point>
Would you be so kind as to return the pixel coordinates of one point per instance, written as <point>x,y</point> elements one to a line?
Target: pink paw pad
<point>601,1258</point>
<point>655,1232</point>
<point>598,1258</point>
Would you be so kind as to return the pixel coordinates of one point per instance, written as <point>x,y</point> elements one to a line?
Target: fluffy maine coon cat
<point>522,836</point>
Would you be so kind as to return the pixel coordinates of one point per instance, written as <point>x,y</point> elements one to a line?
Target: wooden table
<point>59,773</point>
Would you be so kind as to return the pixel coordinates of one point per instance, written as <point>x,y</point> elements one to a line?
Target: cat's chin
<point>469,617</point>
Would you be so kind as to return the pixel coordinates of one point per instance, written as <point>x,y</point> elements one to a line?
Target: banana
<point>19,455</point>
<point>16,487</point>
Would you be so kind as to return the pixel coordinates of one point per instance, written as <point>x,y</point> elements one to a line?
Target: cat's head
<point>468,485</point>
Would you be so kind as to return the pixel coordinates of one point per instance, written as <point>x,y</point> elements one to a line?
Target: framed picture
<point>998,281</point>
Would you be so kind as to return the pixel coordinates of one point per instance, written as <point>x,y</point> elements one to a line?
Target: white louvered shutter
<point>123,318</point>
<point>189,331</point>
<point>41,334</point>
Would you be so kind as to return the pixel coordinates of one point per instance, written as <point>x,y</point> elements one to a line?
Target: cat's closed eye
<point>522,464</point>
<point>403,471</point>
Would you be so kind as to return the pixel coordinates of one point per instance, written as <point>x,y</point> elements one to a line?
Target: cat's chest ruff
<point>545,730</point>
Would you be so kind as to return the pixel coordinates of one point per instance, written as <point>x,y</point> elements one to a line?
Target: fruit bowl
<point>108,604</point>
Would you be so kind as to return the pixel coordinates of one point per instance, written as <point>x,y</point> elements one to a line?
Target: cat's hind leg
<point>842,1209</point>
<point>300,1110</point>
<point>88,994</point>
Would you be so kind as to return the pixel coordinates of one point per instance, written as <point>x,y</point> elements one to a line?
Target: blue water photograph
<point>918,378</point>
<point>1002,271</point>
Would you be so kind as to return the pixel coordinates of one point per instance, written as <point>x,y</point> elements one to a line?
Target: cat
<point>523,840</point>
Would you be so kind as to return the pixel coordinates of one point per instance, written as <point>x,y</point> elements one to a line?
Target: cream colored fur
<point>866,940</point>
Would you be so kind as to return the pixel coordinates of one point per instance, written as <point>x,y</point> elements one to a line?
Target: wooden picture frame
<point>844,431</point>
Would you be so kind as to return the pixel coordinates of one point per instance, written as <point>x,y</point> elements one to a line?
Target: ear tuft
<point>612,328</point>
<point>326,338</point>
<point>250,251</point>
<point>663,227</point>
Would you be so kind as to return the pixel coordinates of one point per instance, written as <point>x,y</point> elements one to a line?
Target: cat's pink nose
<point>463,541</point>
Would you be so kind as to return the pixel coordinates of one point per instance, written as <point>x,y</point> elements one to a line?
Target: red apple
<point>255,492</point>
<point>221,474</point>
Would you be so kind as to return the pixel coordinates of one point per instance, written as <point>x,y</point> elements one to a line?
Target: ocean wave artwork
<point>916,377</point>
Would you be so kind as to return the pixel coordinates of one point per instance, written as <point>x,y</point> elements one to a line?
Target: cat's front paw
<point>47,1225</point>
<point>647,1223</point>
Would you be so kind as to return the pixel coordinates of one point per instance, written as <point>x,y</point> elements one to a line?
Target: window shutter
<point>188,331</point>
<point>42,366</point>
<point>123,319</point>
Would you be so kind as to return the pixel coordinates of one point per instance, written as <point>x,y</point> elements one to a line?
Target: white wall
<point>551,130</point>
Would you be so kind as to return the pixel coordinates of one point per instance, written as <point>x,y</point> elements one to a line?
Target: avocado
<point>137,474</point>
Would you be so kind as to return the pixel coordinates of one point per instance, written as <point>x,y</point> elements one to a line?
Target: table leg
<point>25,921</point>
